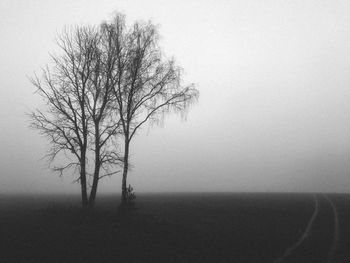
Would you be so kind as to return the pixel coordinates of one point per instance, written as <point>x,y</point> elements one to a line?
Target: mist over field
<point>274,109</point>
<point>253,167</point>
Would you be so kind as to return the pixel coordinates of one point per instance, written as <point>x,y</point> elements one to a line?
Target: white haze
<point>274,110</point>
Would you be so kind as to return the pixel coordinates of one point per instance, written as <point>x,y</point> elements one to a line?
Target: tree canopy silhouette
<point>147,85</point>
<point>107,82</point>
<point>79,120</point>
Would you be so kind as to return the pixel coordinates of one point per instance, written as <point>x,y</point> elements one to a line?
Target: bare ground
<point>174,228</point>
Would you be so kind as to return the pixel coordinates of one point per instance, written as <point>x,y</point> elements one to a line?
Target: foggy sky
<point>274,110</point>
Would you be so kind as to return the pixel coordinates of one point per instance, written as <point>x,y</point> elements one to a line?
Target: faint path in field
<point>336,231</point>
<point>305,234</point>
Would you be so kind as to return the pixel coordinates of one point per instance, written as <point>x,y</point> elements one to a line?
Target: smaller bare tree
<point>79,115</point>
<point>104,118</point>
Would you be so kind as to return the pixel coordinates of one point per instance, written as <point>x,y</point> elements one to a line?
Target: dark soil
<point>254,228</point>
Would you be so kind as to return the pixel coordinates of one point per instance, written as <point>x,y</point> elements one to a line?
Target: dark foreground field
<point>252,228</point>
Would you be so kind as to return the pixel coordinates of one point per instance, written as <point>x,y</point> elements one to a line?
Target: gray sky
<point>274,111</point>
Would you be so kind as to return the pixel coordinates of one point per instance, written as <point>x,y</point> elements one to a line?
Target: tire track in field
<point>336,232</point>
<point>305,234</point>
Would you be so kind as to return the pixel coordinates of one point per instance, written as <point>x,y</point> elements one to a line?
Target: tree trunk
<point>83,153</point>
<point>84,198</point>
<point>97,169</point>
<point>125,173</point>
<point>94,185</point>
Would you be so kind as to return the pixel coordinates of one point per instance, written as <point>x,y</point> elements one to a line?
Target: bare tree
<point>146,86</point>
<point>104,117</point>
<point>79,116</point>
